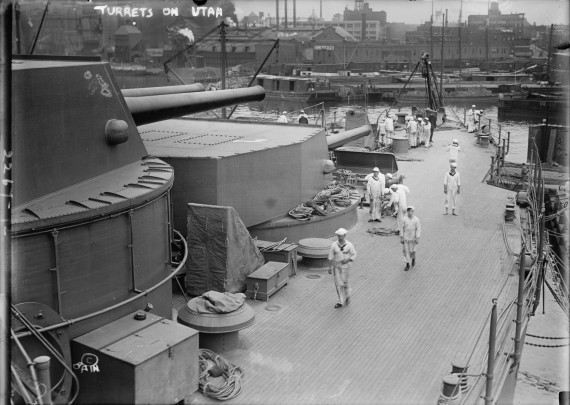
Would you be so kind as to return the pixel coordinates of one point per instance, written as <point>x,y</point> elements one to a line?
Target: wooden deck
<point>398,336</point>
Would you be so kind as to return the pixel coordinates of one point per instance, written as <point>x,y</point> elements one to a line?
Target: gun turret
<point>148,109</point>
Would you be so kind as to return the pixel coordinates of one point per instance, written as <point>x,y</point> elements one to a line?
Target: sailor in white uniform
<point>454,150</point>
<point>451,188</point>
<point>283,118</point>
<point>341,254</point>
<point>375,183</point>
<point>399,194</point>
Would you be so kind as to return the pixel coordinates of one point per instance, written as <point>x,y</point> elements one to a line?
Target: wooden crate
<point>267,280</point>
<point>285,253</point>
<point>129,361</point>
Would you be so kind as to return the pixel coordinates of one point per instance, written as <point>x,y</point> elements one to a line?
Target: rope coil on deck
<point>213,365</point>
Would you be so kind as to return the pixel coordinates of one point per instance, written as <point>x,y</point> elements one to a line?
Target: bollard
<point>451,386</point>
<point>459,367</point>
<point>42,364</point>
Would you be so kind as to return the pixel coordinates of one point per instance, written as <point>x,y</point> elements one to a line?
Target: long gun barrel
<point>148,109</point>
<point>336,140</point>
<point>157,91</point>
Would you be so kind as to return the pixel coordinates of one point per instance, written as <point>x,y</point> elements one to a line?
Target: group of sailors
<point>419,129</point>
<point>301,119</point>
<point>385,191</point>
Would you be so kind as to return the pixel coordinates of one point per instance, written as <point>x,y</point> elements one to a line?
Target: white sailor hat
<point>453,164</point>
<point>302,111</point>
<point>389,175</point>
<point>375,169</point>
<point>420,119</point>
<point>473,106</point>
<point>394,186</point>
<point>411,207</point>
<point>386,190</point>
<point>341,231</point>
<point>284,112</point>
<point>455,141</point>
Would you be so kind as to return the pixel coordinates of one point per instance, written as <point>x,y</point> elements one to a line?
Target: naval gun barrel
<point>157,91</point>
<point>336,140</point>
<point>148,109</point>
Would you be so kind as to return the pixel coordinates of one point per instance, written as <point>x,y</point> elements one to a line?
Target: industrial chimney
<point>285,14</point>
<point>294,13</point>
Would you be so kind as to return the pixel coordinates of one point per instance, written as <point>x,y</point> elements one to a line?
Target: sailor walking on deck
<point>283,118</point>
<point>454,150</point>
<point>375,183</point>
<point>341,255</point>
<point>410,232</point>
<point>451,188</point>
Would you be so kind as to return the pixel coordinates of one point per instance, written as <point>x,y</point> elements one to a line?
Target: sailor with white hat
<point>410,232</point>
<point>471,119</point>
<point>454,150</point>
<point>451,188</point>
<point>303,118</point>
<point>341,255</point>
<point>283,118</point>
<point>398,200</point>
<point>375,183</point>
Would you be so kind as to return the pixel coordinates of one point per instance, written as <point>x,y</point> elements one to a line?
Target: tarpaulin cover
<point>221,253</point>
<point>214,302</point>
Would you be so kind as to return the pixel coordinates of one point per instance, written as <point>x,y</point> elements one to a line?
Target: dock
<point>401,331</point>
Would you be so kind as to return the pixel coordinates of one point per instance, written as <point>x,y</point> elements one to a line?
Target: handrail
<point>144,293</point>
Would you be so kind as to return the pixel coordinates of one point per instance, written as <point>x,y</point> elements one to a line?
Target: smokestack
<point>277,16</point>
<point>285,14</point>
<point>294,13</point>
<point>446,14</point>
<point>321,9</point>
<point>363,35</point>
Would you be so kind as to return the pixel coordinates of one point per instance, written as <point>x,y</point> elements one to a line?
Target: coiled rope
<point>382,231</point>
<point>214,366</point>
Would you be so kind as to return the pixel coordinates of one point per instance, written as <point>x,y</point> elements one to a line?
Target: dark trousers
<point>431,134</point>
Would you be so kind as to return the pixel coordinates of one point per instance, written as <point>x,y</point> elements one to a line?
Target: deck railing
<point>488,365</point>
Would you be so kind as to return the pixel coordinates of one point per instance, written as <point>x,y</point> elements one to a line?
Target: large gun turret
<point>148,109</point>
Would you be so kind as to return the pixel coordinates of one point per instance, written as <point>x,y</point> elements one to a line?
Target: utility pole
<point>442,40</point>
<point>223,60</point>
<point>459,34</point>
<point>549,54</point>
<point>431,32</point>
<point>277,17</point>
<point>285,26</point>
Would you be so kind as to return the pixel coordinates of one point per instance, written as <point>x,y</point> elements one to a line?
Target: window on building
<point>291,85</point>
<point>246,49</point>
<point>260,82</point>
<point>214,48</point>
<point>233,48</point>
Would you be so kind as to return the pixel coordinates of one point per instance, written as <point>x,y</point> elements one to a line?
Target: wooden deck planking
<point>398,336</point>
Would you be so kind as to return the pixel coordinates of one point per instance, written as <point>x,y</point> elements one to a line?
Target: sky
<point>415,11</point>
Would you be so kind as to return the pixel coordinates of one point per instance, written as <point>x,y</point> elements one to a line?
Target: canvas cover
<point>221,253</point>
<point>355,119</point>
